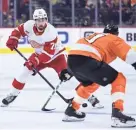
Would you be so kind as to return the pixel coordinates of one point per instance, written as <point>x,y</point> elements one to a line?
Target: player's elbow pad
<point>131,58</point>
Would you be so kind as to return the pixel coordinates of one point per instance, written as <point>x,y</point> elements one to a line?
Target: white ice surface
<point>25,112</point>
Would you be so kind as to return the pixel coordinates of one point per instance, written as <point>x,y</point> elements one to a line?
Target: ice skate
<point>71,115</point>
<point>8,99</point>
<point>95,102</point>
<point>120,120</point>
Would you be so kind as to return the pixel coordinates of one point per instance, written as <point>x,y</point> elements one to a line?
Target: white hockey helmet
<point>39,13</point>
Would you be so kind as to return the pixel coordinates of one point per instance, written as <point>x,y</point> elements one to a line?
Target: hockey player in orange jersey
<point>88,61</point>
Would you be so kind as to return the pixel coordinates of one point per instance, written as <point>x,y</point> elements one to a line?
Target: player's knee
<point>27,68</point>
<point>85,91</point>
<point>92,88</point>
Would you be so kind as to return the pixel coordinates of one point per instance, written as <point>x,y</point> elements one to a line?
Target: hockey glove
<point>35,60</point>
<point>12,43</point>
<point>13,39</point>
<point>65,75</point>
<point>32,63</point>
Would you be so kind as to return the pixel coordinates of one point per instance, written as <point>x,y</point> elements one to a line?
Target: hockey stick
<point>49,98</point>
<point>66,100</point>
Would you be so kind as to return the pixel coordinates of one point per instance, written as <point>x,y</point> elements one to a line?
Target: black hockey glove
<point>65,75</point>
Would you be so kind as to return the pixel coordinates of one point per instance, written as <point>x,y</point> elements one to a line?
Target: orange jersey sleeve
<point>120,48</point>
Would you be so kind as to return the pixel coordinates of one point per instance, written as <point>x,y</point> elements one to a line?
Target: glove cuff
<point>13,37</point>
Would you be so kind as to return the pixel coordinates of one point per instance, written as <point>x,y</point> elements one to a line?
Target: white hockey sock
<point>23,76</point>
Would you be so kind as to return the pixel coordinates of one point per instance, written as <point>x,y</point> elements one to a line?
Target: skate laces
<point>127,117</point>
<point>10,97</point>
<point>91,100</point>
<point>94,101</point>
<point>78,112</point>
<point>122,115</point>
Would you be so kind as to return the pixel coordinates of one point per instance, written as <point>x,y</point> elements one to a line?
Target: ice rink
<point>25,112</point>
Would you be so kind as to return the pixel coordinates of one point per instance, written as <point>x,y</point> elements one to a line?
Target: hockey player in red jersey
<point>88,61</point>
<point>49,52</point>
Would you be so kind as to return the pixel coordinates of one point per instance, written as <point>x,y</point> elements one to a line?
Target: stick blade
<point>45,109</point>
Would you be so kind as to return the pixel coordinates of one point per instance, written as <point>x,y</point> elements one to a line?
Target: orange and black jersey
<point>103,47</point>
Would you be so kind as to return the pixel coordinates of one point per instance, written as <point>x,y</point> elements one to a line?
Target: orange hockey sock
<point>118,91</point>
<point>82,94</point>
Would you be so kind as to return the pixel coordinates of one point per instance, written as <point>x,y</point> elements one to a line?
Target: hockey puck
<point>84,105</point>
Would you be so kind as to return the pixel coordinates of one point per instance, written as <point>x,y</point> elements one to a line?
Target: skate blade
<point>72,119</point>
<point>3,105</point>
<point>117,124</point>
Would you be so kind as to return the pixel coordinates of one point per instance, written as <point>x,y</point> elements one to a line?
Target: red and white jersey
<point>48,40</point>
